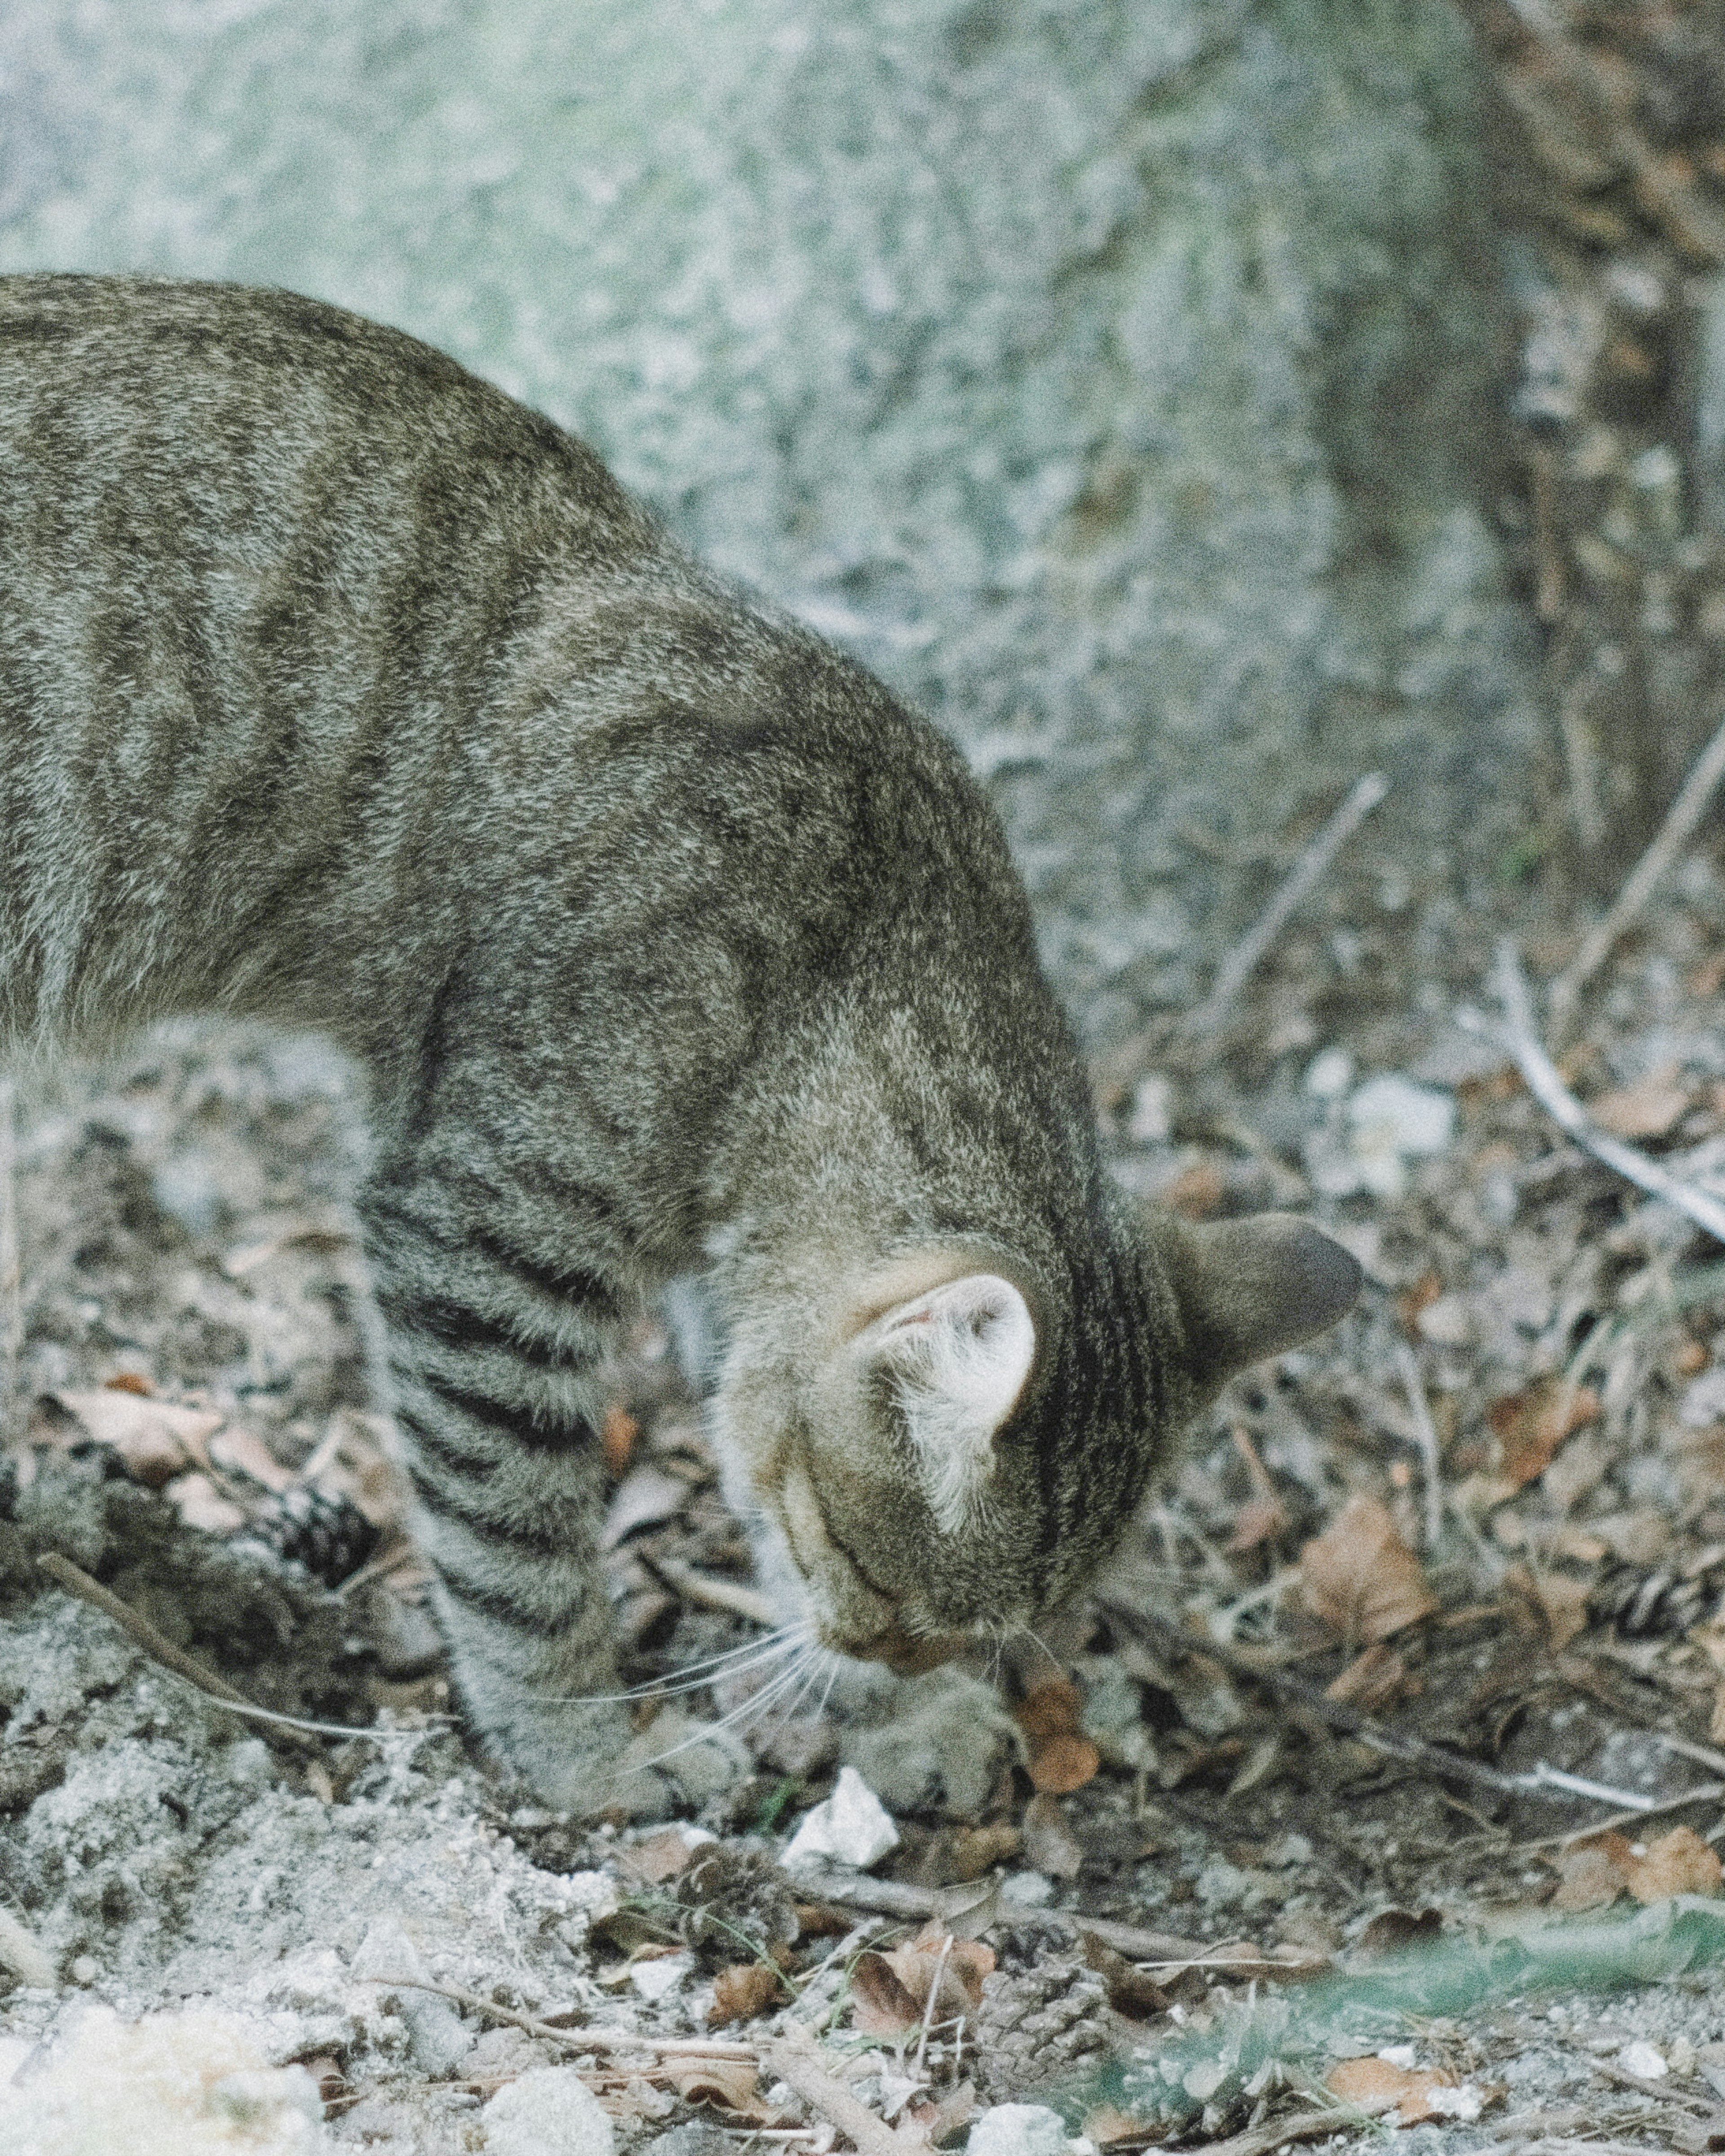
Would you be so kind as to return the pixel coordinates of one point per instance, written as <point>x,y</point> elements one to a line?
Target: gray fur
<point>337,688</point>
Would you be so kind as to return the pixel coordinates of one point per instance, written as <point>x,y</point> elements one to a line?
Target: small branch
<point>574,2039</point>
<point>797,2060</point>
<point>1545,1782</point>
<point>709,1594</point>
<point>162,1649</point>
<point>24,1957</point>
<point>1682,818</point>
<point>1425,1431</point>
<point>1278,2132</point>
<point>1545,1083</point>
<point>1237,968</point>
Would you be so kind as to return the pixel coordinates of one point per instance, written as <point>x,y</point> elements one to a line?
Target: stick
<point>1237,968</point>
<point>1426,1432</point>
<point>573,2039</point>
<point>1545,1083</point>
<point>1685,813</point>
<point>1545,1782</point>
<point>1278,2132</point>
<point>162,1649</point>
<point>24,1957</point>
<point>794,2059</point>
<point>12,1271</point>
<point>710,1593</point>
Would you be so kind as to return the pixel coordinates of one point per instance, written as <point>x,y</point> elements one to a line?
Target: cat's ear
<point>957,1359</point>
<point>1250,1288</point>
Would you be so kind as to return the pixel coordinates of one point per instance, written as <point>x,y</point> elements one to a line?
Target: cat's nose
<point>908,1654</point>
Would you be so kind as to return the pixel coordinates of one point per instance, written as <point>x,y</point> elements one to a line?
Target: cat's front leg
<point>492,1353</point>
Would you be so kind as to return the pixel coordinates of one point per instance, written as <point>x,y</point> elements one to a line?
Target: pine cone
<point>328,1537</point>
<point>1036,2024</point>
<point>734,1903</point>
<point>1647,1602</point>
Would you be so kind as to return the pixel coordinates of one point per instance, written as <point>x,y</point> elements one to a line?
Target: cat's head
<point>951,1441</point>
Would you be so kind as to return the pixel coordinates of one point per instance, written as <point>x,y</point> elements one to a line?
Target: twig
<point>1425,1432</point>
<point>700,1586</point>
<point>1544,1781</point>
<point>1239,964</point>
<point>1278,2132</point>
<point>574,2039</point>
<point>797,2060</point>
<point>24,1957</point>
<point>162,1649</point>
<point>1685,813</point>
<point>1546,1085</point>
<point>12,1271</point>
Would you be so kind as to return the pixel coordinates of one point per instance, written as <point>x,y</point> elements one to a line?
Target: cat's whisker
<point>1022,1630</point>
<point>695,1676</point>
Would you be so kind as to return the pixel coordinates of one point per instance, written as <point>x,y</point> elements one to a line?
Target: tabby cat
<point>338,689</point>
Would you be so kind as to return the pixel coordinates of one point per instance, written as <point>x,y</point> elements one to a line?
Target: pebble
<point>550,2111</point>
<point>1017,2129</point>
<point>852,1826</point>
<point>1645,2060</point>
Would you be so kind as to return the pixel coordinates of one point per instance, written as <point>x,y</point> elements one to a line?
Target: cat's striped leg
<point>493,1352</point>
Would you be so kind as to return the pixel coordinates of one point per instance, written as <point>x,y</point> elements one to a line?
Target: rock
<point>193,2084</point>
<point>1017,2129</point>
<point>852,1826</point>
<point>693,2140</point>
<point>550,2111</point>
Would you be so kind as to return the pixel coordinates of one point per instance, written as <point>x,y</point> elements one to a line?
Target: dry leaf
<point>1371,1681</point>
<point>154,1440</point>
<point>1415,1300</point>
<point>1105,2125</point>
<point>1592,1874</point>
<point>730,2083</point>
<point>1196,1193</point>
<point>244,1453</point>
<point>1394,1931</point>
<point>1377,2083</point>
<point>200,1504</point>
<point>1562,1603</point>
<point>1360,1577</point>
<point>1259,1520</point>
<point>891,1992</point>
<point>741,1992</point>
<point>1530,1425</point>
<point>974,1851</point>
<point>1062,1758</point>
<point>128,1381</point>
<point>661,1855</point>
<point>1648,1109</point>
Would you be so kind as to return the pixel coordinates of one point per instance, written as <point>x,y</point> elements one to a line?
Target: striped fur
<point>337,689</point>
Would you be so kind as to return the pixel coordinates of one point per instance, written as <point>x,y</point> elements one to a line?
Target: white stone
<point>1017,2129</point>
<point>549,2111</point>
<point>656,1980</point>
<point>1400,1117</point>
<point>1150,1120</point>
<point>1330,1075</point>
<point>852,1826</point>
<point>1030,1890</point>
<point>1643,2059</point>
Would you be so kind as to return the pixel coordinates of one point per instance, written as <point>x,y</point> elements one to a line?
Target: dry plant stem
<point>20,1954</point>
<point>1281,2133</point>
<point>162,1649</point>
<point>1707,1793</point>
<point>1546,1085</point>
<point>1683,816</point>
<point>574,2039</point>
<point>729,1595</point>
<point>1242,962</point>
<point>1544,1781</point>
<point>1425,1430</point>
<point>796,2059</point>
<point>12,1271</point>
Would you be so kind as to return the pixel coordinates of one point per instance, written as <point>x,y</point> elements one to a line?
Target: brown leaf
<point>1371,1681</point>
<point>200,1504</point>
<point>974,1851</point>
<point>741,1992</point>
<point>1051,1709</point>
<point>1377,2082</point>
<point>1394,1931</point>
<point>1106,2125</point>
<point>659,1856</point>
<point>730,2083</point>
<point>128,1381</point>
<point>1062,1759</point>
<point>1360,1577</point>
<point>1065,1763</point>
<point>1259,1520</point>
<point>1531,1425</point>
<point>1587,1878</point>
<point>892,1991</point>
<point>1648,1109</point>
<point>155,1440</point>
<point>1678,1862</point>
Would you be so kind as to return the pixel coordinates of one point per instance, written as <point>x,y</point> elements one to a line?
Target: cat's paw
<point>578,1761</point>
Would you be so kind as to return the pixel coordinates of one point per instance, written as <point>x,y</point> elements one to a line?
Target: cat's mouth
<point>909,1654</point>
